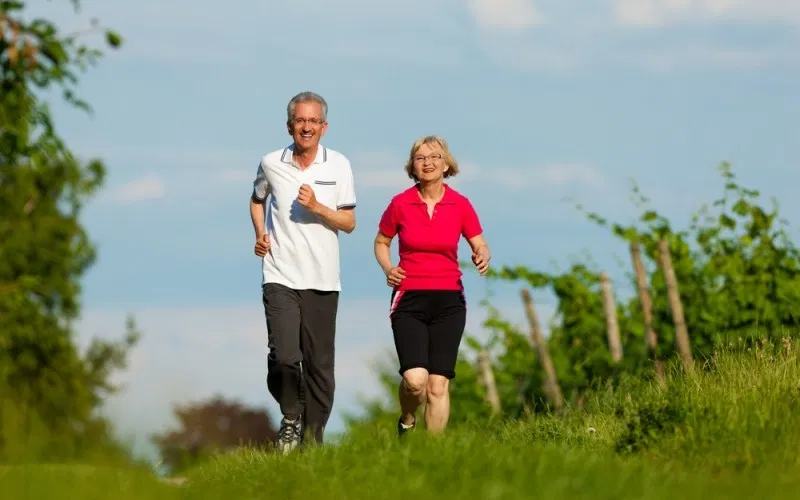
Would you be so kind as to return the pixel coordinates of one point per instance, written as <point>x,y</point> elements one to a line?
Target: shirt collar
<point>322,154</point>
<point>412,197</point>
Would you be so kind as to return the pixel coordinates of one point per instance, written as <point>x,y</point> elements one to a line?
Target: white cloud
<point>179,34</point>
<point>658,12</point>
<point>379,169</point>
<point>382,171</point>
<point>504,14</point>
<point>590,39</point>
<point>173,157</point>
<point>385,170</point>
<point>544,177</point>
<point>145,188</point>
<point>383,179</point>
<point>516,34</point>
<point>699,56</point>
<point>531,56</point>
<point>234,176</point>
<point>554,175</point>
<point>189,353</point>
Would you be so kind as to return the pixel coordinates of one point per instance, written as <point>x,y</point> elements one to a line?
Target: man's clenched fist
<point>307,198</point>
<point>262,245</point>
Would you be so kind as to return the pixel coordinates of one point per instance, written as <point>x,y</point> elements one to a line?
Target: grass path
<point>462,465</point>
<point>728,433</point>
<point>470,464</point>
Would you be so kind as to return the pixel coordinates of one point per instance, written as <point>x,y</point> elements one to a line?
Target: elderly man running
<point>312,198</point>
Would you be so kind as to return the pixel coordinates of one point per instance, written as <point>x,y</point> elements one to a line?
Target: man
<point>312,198</point>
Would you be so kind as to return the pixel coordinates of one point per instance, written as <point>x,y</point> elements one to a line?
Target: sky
<point>541,101</point>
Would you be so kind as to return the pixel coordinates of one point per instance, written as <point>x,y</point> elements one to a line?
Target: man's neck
<point>304,157</point>
<point>431,192</point>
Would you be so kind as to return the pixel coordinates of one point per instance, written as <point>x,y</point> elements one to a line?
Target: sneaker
<point>403,428</point>
<point>290,434</point>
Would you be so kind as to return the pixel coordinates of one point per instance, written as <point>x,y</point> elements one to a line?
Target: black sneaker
<point>402,428</point>
<point>290,434</point>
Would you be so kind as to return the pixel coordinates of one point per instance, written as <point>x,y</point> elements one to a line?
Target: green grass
<point>726,432</point>
<point>81,482</point>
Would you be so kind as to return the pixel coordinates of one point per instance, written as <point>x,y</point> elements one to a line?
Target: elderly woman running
<point>428,308</point>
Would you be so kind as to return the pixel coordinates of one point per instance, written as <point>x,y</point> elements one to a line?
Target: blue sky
<point>540,101</point>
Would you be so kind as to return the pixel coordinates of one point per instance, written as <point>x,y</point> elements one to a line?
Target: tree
<point>210,427</point>
<point>49,389</point>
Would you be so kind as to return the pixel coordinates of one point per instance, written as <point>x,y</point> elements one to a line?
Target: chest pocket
<point>325,192</point>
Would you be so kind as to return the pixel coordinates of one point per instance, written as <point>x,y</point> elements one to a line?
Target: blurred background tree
<point>50,391</point>
<point>214,426</point>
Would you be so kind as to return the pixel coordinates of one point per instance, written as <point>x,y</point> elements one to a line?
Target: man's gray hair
<point>306,97</point>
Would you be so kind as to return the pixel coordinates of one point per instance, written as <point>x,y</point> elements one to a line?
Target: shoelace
<point>289,432</point>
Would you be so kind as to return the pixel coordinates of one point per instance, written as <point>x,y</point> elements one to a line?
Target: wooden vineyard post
<point>485,368</point>
<point>651,339</point>
<point>681,334</point>
<point>612,326</point>
<point>551,389</point>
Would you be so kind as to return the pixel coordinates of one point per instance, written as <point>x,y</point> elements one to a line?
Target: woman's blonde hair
<point>447,156</point>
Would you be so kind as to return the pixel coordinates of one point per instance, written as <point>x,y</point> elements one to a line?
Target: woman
<point>428,309</point>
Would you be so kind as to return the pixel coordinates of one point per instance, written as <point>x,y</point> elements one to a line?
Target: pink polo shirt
<point>429,245</point>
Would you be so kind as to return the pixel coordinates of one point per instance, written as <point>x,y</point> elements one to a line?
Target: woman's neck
<point>431,192</point>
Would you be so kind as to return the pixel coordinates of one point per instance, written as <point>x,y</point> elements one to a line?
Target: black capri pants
<point>428,326</point>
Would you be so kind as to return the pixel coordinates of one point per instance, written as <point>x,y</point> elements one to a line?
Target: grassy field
<point>727,432</point>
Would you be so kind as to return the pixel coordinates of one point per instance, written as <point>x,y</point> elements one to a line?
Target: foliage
<point>210,427</point>
<point>738,274</point>
<point>738,269</point>
<point>45,250</point>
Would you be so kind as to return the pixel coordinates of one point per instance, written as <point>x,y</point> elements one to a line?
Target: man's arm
<point>257,215</point>
<point>344,216</point>
<point>343,219</point>
<point>261,190</point>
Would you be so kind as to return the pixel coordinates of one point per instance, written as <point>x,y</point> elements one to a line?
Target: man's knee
<point>437,386</point>
<point>321,381</point>
<point>415,380</point>
<point>286,359</point>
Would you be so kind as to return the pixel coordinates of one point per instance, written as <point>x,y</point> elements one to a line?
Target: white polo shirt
<point>304,250</point>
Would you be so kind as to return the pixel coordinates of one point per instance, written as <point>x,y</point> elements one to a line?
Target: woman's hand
<point>394,276</point>
<point>481,258</point>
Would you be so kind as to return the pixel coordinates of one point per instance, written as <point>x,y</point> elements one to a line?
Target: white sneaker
<point>290,435</point>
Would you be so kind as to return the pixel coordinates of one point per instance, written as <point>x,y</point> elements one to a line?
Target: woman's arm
<point>382,249</point>
<point>480,253</point>
<point>477,242</point>
<point>473,232</point>
<point>394,275</point>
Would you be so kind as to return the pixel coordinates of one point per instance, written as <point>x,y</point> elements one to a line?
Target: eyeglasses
<point>432,157</point>
<point>312,121</point>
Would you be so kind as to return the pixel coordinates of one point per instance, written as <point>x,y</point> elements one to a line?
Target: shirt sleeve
<point>346,192</point>
<point>388,223</point>
<point>470,223</point>
<point>261,187</point>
